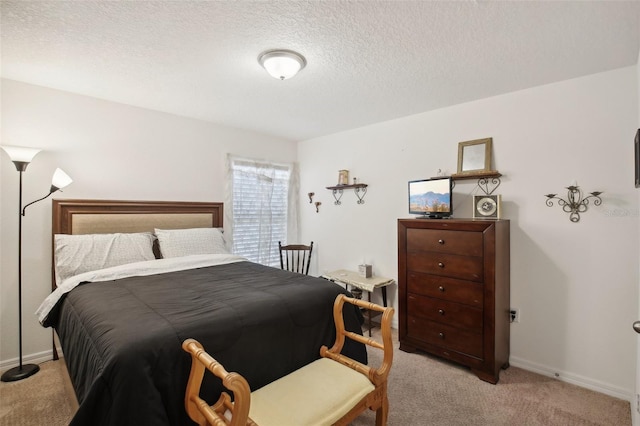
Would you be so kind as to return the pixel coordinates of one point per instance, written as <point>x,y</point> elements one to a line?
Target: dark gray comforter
<point>122,339</point>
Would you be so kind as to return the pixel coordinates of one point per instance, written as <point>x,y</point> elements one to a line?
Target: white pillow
<point>185,242</point>
<point>75,254</point>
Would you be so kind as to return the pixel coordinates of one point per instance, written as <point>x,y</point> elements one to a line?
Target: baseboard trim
<point>575,379</point>
<point>37,358</point>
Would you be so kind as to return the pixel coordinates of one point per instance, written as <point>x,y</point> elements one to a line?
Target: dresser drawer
<point>446,265</point>
<point>454,314</point>
<point>445,336</point>
<point>464,243</point>
<point>462,291</point>
<point>459,267</point>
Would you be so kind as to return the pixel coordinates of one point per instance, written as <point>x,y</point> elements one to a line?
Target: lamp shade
<point>282,64</point>
<point>20,153</point>
<point>60,179</point>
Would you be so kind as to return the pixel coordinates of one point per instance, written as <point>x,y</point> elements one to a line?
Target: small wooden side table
<point>360,283</point>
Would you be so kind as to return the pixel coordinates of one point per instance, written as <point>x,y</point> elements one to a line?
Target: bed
<point>121,327</point>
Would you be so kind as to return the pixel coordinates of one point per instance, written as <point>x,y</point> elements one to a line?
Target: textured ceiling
<point>368,61</point>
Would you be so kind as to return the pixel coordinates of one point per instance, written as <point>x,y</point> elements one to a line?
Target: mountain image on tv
<point>429,202</point>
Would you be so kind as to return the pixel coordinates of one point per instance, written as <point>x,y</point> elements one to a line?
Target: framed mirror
<point>474,156</point>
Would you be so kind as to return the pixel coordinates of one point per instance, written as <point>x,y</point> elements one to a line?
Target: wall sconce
<point>574,204</point>
<point>318,203</point>
<point>311,194</point>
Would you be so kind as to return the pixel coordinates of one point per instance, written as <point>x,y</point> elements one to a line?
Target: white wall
<point>576,284</point>
<point>112,151</point>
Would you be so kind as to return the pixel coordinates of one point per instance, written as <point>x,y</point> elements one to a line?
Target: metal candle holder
<point>574,204</point>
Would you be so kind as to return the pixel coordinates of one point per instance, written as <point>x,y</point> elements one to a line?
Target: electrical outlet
<point>638,402</point>
<point>514,315</point>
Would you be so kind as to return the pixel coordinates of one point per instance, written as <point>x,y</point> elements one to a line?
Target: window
<point>263,199</point>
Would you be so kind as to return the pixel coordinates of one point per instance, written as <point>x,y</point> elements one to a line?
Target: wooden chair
<point>295,257</point>
<point>331,390</point>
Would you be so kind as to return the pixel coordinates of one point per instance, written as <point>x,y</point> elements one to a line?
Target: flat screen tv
<point>431,198</point>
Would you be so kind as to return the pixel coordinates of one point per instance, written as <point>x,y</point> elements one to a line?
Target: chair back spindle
<point>295,257</point>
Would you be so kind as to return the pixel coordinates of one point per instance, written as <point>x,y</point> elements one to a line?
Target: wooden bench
<point>332,390</point>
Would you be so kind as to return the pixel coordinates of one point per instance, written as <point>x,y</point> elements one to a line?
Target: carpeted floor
<point>44,398</point>
<point>422,391</point>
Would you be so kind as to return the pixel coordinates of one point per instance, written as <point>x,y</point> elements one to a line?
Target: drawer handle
<point>441,311</point>
<point>441,289</point>
<point>440,241</point>
<point>441,265</point>
<point>441,335</point>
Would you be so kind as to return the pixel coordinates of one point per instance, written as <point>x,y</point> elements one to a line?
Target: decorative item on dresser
<point>487,206</point>
<point>453,289</point>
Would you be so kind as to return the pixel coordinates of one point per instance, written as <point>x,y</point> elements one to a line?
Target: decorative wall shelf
<point>360,189</point>
<point>488,182</point>
<point>477,175</point>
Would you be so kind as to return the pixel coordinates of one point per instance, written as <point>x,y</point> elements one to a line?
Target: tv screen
<point>430,197</point>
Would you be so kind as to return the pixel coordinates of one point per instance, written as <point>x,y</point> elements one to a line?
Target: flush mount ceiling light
<point>282,64</point>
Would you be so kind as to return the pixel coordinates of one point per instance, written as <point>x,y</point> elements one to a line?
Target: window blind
<point>260,194</point>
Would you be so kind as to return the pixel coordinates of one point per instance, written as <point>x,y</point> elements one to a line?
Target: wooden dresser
<point>453,281</point>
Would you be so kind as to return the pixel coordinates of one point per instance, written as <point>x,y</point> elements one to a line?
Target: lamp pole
<point>21,157</point>
<point>22,371</point>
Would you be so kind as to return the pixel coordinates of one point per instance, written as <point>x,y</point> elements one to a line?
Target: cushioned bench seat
<point>317,394</point>
<point>332,390</point>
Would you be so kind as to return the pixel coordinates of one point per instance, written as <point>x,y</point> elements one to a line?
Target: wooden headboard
<point>109,216</point>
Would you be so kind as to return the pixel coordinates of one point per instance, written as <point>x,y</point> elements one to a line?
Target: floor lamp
<point>21,157</point>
